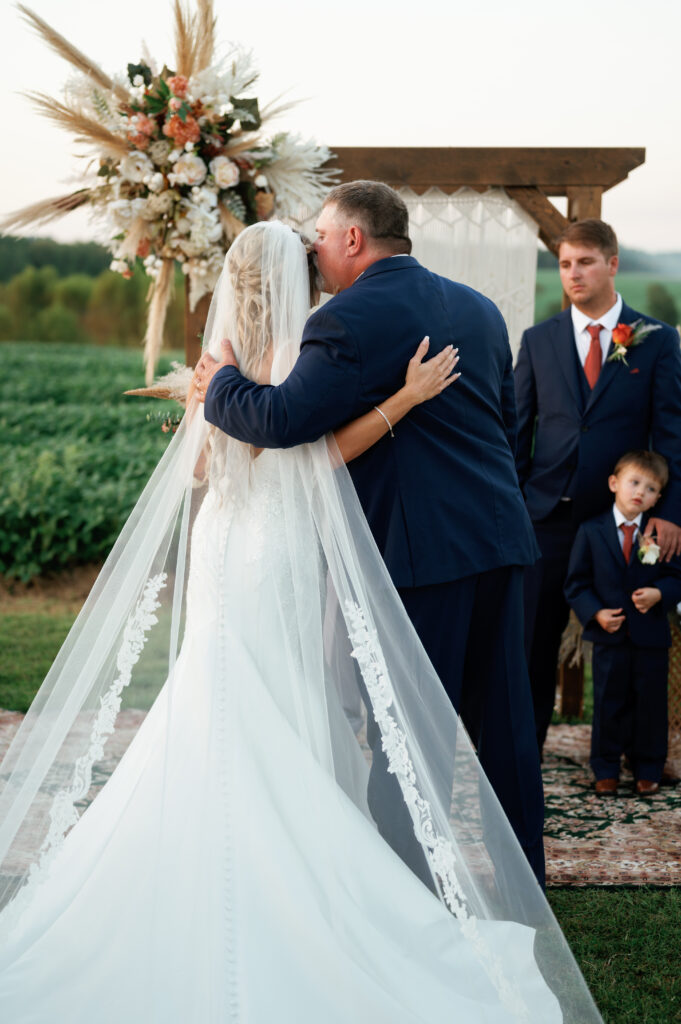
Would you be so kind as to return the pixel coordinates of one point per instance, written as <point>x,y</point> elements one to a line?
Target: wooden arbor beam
<point>550,220</point>
<point>554,171</point>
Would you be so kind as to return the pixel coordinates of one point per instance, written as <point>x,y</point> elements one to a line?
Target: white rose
<point>650,553</point>
<point>225,172</point>
<point>189,169</point>
<point>156,182</point>
<point>135,167</point>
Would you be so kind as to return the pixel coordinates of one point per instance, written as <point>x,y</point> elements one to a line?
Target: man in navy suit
<point>578,410</point>
<point>441,493</point>
<point>622,592</point>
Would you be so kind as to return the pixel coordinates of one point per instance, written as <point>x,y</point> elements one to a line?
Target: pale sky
<point>390,73</point>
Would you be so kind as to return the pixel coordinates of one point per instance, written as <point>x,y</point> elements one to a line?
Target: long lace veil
<point>354,683</point>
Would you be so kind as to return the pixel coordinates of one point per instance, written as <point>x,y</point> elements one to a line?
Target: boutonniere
<point>648,550</point>
<point>626,336</point>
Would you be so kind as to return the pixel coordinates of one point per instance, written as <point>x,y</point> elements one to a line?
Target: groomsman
<point>580,407</point>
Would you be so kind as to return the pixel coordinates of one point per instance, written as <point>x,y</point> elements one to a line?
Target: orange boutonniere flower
<point>626,336</point>
<point>623,335</point>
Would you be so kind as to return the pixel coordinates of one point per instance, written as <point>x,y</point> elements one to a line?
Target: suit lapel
<point>609,529</point>
<point>564,348</point>
<point>610,370</point>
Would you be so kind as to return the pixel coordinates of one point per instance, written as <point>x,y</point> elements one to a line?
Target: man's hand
<point>645,597</point>
<point>668,537</point>
<point>207,367</point>
<point>609,619</point>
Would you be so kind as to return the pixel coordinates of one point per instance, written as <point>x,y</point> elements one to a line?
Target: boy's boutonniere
<point>626,336</point>
<point>648,550</point>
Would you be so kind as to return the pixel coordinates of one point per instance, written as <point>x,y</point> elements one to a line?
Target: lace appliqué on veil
<point>64,813</point>
<point>437,848</point>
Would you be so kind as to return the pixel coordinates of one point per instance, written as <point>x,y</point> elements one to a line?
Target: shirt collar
<point>609,320</point>
<point>620,518</point>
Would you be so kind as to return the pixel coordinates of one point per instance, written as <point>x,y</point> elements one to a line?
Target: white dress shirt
<point>620,518</point>
<point>580,322</point>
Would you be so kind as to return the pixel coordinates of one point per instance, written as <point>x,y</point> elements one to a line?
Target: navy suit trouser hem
<point>630,710</point>
<point>472,630</point>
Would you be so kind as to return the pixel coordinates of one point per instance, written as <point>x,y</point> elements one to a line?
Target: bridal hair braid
<point>252,302</point>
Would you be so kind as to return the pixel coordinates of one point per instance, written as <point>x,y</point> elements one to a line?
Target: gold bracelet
<point>381,413</point>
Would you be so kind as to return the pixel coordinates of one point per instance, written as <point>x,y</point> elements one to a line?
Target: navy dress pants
<point>472,630</point>
<point>630,710</point>
<point>547,611</point>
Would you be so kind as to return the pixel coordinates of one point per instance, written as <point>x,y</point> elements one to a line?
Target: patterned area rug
<point>590,840</point>
<point>623,840</point>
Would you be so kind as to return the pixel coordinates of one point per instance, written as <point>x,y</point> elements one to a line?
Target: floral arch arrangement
<point>179,162</point>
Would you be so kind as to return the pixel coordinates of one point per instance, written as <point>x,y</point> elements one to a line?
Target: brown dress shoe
<point>606,787</point>
<point>644,787</point>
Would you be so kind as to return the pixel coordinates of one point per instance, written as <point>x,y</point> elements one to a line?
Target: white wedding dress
<point>255,908</point>
<point>233,869</point>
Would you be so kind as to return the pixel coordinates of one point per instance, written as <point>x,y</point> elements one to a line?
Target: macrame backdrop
<point>484,240</point>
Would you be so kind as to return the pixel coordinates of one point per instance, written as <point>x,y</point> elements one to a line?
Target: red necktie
<point>594,358</point>
<point>628,529</point>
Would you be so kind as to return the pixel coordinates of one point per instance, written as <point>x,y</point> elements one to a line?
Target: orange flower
<point>143,248</point>
<point>127,273</point>
<point>139,141</point>
<point>178,85</point>
<point>623,335</point>
<point>182,131</point>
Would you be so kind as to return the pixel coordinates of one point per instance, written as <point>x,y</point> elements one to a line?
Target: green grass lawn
<point>632,288</point>
<point>29,643</point>
<point>626,942</point>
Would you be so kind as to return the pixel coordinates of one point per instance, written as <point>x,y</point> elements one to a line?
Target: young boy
<point>621,592</point>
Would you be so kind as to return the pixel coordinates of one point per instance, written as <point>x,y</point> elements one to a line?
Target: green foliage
<point>661,304</point>
<point>30,291</point>
<point>74,292</point>
<point>6,323</point>
<point>57,324</point>
<point>75,456</point>
<point>632,286</point>
<point>74,258</point>
<point>38,305</point>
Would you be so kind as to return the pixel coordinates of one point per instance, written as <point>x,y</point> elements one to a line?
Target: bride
<point>219,858</point>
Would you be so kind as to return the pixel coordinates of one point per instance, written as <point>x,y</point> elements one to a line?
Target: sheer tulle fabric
<point>250,858</point>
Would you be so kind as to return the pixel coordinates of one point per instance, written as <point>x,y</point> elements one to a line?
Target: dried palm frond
<point>139,229</point>
<point>46,210</point>
<point>69,52</point>
<point>185,40</point>
<point>231,225</point>
<point>85,128</point>
<point>173,386</point>
<point>204,34</point>
<point>275,108</point>
<point>159,297</point>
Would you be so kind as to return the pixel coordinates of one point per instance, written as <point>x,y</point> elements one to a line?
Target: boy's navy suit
<point>441,497</point>
<point>630,665</point>
<point>569,439</point>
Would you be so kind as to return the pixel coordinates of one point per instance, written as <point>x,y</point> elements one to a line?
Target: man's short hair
<point>377,209</point>
<point>645,460</point>
<point>595,234</point>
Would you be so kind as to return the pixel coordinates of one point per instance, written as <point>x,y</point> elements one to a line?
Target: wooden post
<point>584,201</point>
<point>194,325</point>
<point>571,690</point>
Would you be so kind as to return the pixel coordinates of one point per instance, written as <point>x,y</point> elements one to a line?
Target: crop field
<point>75,452</point>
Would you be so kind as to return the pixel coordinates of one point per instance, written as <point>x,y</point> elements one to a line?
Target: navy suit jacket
<point>598,577</point>
<point>441,497</point>
<point>577,442</point>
